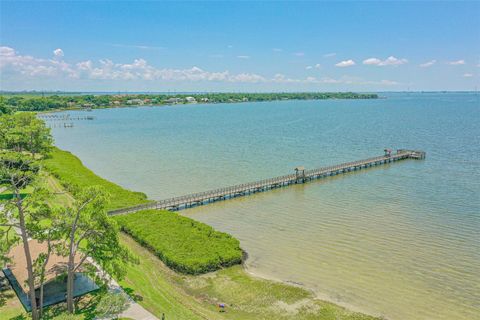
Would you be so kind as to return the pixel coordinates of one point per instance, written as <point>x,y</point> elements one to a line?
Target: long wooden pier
<point>63,117</point>
<point>300,176</point>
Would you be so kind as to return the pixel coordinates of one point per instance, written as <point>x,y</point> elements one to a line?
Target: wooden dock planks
<point>187,201</point>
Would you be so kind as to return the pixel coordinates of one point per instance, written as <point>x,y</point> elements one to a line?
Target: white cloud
<point>390,61</point>
<point>243,57</point>
<point>468,75</point>
<point>28,66</point>
<point>281,78</point>
<point>277,50</point>
<point>345,63</point>
<point>428,64</point>
<point>388,82</point>
<point>316,66</point>
<point>329,55</point>
<point>58,53</point>
<point>247,77</point>
<point>14,66</point>
<point>299,54</point>
<point>373,61</point>
<point>457,63</point>
<point>7,52</point>
<point>135,46</point>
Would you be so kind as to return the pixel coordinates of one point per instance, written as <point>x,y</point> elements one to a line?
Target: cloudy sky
<point>242,46</point>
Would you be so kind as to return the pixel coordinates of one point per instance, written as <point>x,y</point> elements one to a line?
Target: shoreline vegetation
<point>183,244</point>
<point>38,102</point>
<point>72,174</point>
<point>162,290</point>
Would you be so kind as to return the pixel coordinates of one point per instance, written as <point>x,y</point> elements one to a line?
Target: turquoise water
<point>401,240</point>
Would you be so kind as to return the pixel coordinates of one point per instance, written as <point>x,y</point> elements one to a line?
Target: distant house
<point>88,105</point>
<point>245,99</point>
<point>173,100</point>
<point>116,103</point>
<point>204,100</point>
<point>190,100</point>
<point>135,102</point>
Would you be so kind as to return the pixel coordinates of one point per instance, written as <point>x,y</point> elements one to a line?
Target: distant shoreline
<point>172,93</point>
<point>41,102</point>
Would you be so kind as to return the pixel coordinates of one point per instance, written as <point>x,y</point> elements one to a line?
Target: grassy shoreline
<point>71,173</point>
<point>180,296</point>
<point>185,245</point>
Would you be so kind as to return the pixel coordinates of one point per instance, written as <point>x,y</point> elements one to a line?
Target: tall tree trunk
<point>42,278</point>
<point>28,258</point>
<point>40,302</point>
<point>71,267</point>
<point>70,304</point>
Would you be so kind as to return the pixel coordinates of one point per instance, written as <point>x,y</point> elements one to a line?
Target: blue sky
<point>239,46</point>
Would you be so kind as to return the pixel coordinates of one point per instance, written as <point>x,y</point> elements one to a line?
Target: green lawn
<point>70,171</point>
<point>185,245</point>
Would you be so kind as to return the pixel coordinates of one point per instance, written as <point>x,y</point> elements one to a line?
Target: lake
<point>400,240</point>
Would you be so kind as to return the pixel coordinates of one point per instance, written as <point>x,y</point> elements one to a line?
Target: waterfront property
<point>300,176</point>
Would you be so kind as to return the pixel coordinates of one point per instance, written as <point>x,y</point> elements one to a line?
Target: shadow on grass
<point>6,292</point>
<point>8,196</point>
<point>132,294</point>
<point>84,307</point>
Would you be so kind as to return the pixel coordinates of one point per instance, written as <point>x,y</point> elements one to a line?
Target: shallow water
<point>400,240</point>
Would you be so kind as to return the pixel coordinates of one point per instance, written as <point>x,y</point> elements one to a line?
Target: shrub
<point>183,244</point>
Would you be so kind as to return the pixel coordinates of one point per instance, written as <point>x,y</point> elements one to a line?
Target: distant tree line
<point>33,102</point>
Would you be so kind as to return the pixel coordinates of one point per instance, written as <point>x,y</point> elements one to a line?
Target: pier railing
<point>301,176</point>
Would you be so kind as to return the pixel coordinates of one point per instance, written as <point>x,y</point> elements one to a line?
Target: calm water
<point>401,240</point>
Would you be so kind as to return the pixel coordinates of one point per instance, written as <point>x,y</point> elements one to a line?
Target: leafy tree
<point>90,232</point>
<point>18,133</point>
<point>24,132</point>
<point>4,109</point>
<point>18,171</point>
<point>112,305</point>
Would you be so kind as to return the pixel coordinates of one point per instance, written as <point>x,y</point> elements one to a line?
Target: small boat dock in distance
<point>300,176</point>
<point>63,117</point>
